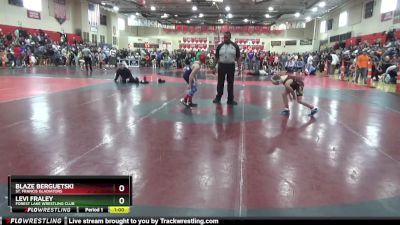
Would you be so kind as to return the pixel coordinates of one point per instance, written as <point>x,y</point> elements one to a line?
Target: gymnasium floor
<point>213,160</point>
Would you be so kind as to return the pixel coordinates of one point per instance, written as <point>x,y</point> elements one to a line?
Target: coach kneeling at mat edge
<point>227,53</point>
<point>125,73</point>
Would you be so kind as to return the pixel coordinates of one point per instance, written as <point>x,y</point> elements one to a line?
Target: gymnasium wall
<point>17,16</point>
<point>370,28</point>
<point>76,23</point>
<point>158,36</point>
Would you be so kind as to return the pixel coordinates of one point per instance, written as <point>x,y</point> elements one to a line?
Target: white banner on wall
<point>143,22</point>
<point>94,14</point>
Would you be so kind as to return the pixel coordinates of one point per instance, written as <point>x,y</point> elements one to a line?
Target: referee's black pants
<point>229,71</point>
<point>88,62</point>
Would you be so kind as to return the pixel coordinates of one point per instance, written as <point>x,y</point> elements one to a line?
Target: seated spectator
<point>290,65</point>
<point>3,58</point>
<point>310,70</point>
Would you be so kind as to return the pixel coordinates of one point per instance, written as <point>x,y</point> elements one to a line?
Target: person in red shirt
<point>17,55</point>
<point>271,59</point>
<point>262,56</point>
<point>203,59</point>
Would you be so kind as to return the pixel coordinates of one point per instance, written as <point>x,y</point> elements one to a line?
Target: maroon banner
<point>387,16</point>
<point>235,29</point>
<point>266,29</point>
<point>198,29</point>
<point>251,29</point>
<point>60,11</point>
<point>33,14</point>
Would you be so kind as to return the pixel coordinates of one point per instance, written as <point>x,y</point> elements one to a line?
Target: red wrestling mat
<point>14,88</point>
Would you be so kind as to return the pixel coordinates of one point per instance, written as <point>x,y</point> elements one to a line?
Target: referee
<point>226,55</point>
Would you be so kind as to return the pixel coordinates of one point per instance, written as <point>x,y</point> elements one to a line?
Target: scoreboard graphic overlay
<point>69,194</point>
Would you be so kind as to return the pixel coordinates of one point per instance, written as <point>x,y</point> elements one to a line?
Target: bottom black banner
<point>186,221</point>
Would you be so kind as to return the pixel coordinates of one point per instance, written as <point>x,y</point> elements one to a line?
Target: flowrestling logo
<point>10,220</point>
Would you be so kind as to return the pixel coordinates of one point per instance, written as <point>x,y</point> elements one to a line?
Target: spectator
<point>362,66</point>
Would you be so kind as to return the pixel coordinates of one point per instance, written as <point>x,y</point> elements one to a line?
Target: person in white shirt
<point>310,59</point>
<point>113,57</point>
<point>335,62</point>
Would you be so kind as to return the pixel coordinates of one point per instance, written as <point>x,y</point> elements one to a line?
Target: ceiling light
<point>308,18</point>
<point>137,14</point>
<point>314,9</point>
<point>187,21</point>
<point>267,16</point>
<point>297,14</point>
<point>227,8</point>
<point>116,8</point>
<point>270,8</point>
<point>103,3</point>
<point>176,15</point>
<point>188,0</point>
<point>201,15</point>
<point>230,15</point>
<point>153,8</point>
<point>322,4</point>
<point>245,20</point>
<point>194,8</point>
